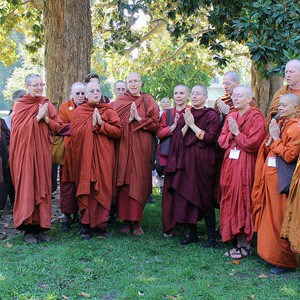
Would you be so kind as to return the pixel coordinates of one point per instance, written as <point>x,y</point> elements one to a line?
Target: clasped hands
<point>134,115</point>
<point>223,107</point>
<point>97,117</point>
<point>274,131</point>
<point>233,126</point>
<point>42,113</point>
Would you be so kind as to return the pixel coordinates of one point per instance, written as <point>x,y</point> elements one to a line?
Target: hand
<point>174,125</point>
<point>136,113</point>
<point>94,118</point>
<point>223,107</point>
<point>131,114</point>
<point>43,108</point>
<point>274,130</point>
<point>99,119</point>
<point>233,126</point>
<point>188,117</point>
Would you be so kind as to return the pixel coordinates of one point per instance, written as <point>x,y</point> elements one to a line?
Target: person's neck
<point>242,111</point>
<point>180,107</point>
<point>295,86</point>
<point>199,107</point>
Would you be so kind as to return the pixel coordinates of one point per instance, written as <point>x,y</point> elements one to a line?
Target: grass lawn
<point>127,267</point>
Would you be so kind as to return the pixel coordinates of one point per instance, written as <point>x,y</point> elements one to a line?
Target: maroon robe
<point>190,171</point>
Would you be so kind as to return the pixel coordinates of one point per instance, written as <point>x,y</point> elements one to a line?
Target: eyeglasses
<point>227,83</point>
<point>134,81</point>
<point>79,93</point>
<point>197,94</point>
<point>95,91</point>
<point>37,85</point>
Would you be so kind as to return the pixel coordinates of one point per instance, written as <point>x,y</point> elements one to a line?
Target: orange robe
<point>291,222</point>
<point>237,175</point>
<point>67,199</point>
<point>30,162</point>
<point>220,152</point>
<point>93,161</point>
<point>275,102</point>
<point>268,205</point>
<point>134,170</point>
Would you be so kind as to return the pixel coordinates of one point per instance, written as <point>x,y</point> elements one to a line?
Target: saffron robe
<point>268,205</point>
<point>291,223</point>
<point>190,170</point>
<point>220,152</point>
<point>275,102</point>
<point>133,154</point>
<point>67,199</point>
<point>93,161</point>
<point>30,161</point>
<point>237,175</point>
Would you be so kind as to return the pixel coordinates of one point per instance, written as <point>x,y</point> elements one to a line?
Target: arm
<point>225,137</point>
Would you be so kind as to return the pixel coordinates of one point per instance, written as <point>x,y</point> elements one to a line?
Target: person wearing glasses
<point>139,116</point>
<point>94,129</point>
<point>67,200</point>
<point>34,120</point>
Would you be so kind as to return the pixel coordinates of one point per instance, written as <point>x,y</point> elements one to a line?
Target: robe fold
<point>275,102</point>
<point>133,154</point>
<point>268,205</point>
<point>237,175</point>
<point>93,161</point>
<point>291,223</point>
<point>30,161</point>
<point>190,170</point>
<point>67,199</point>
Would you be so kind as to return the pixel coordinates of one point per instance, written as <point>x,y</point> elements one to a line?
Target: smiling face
<point>35,86</point>
<point>165,103</point>
<point>134,83</point>
<point>198,96</point>
<point>181,95</point>
<point>93,92</point>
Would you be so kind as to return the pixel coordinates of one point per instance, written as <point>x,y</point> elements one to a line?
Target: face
<point>292,73</point>
<point>93,92</point>
<point>78,94</point>
<point>240,99</point>
<point>120,88</point>
<point>36,87</point>
<point>181,95</point>
<point>286,107</point>
<point>229,84</point>
<point>134,84</point>
<point>165,103</point>
<point>198,96</point>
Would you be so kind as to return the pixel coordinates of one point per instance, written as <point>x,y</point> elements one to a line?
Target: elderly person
<point>269,202</point>
<point>68,201</point>
<point>190,170</point>
<point>34,120</point>
<point>140,119</point>
<point>292,77</point>
<point>119,88</point>
<point>94,129</point>
<point>241,137</point>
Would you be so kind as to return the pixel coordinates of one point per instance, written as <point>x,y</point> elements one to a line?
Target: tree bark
<point>264,89</point>
<point>68,41</point>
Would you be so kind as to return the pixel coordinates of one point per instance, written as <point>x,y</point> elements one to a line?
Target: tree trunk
<point>264,89</point>
<point>68,41</point>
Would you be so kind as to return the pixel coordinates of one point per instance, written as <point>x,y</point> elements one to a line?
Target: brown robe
<point>93,161</point>
<point>133,169</point>
<point>30,161</point>
<point>291,223</point>
<point>275,102</point>
<point>268,205</point>
<point>237,175</point>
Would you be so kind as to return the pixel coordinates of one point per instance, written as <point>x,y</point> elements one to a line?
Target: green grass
<point>127,267</point>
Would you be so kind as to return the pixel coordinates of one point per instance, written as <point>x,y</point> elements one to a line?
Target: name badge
<point>272,162</point>
<point>234,153</point>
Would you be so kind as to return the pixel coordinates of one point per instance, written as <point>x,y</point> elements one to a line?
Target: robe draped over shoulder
<point>30,161</point>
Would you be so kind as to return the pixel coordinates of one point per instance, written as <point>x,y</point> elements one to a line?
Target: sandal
<point>43,237</point>
<point>138,231</point>
<point>247,252</point>
<point>29,238</point>
<point>231,252</point>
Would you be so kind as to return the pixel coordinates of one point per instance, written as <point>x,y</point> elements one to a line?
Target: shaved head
<point>291,98</point>
<point>245,90</point>
<point>295,63</point>
<point>182,86</point>
<point>233,75</point>
<point>292,74</point>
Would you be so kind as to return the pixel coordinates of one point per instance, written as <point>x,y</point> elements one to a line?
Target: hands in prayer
<point>233,126</point>
<point>274,130</point>
<point>97,117</point>
<point>134,115</point>
<point>173,126</point>
<point>42,113</point>
<point>188,117</point>
<point>223,107</point>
